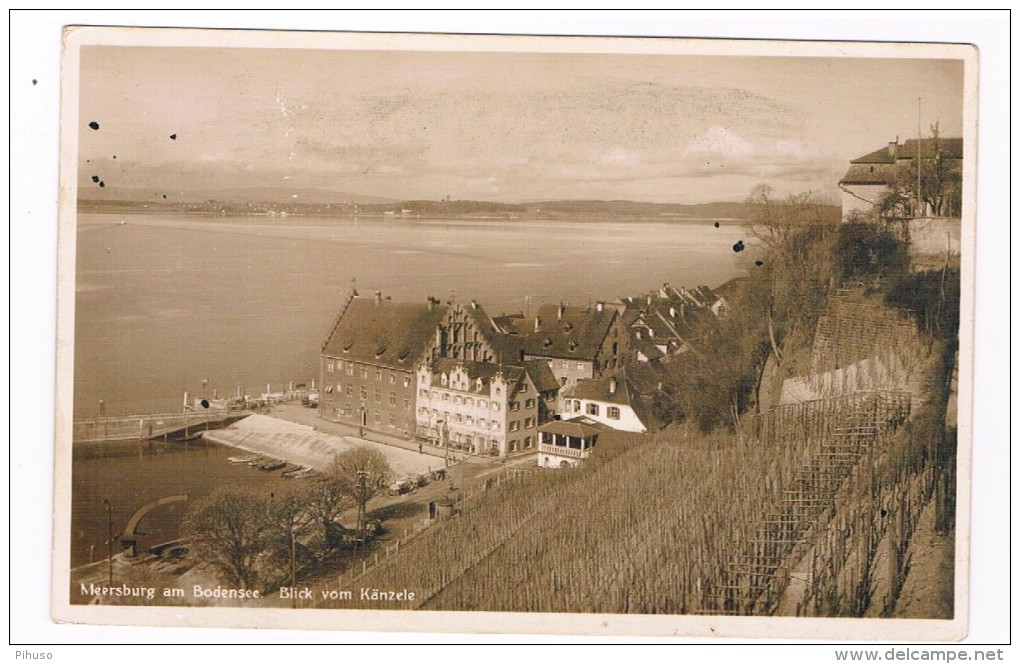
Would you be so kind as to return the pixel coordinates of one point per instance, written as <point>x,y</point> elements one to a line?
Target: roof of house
<point>383,332</point>
<point>875,167</point>
<point>578,427</point>
<point>869,174</point>
<point>541,375</point>
<point>566,332</point>
<point>634,392</point>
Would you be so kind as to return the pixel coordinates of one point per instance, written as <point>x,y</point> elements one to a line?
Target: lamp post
<point>109,537</point>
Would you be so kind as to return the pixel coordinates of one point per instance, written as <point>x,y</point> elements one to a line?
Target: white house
<point>613,402</point>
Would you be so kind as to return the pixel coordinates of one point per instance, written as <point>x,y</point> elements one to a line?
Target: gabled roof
<point>633,392</point>
<point>577,333</point>
<point>877,167</point>
<point>475,370</point>
<point>541,375</point>
<point>384,333</point>
<point>880,156</point>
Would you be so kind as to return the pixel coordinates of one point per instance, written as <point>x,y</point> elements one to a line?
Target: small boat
<point>258,460</point>
<point>299,473</point>
<point>244,459</point>
<point>271,464</point>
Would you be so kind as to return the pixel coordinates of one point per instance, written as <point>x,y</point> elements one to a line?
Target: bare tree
<point>361,473</point>
<point>231,532</point>
<point>327,500</point>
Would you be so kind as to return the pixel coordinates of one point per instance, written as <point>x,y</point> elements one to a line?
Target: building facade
<point>477,407</point>
<point>367,365</point>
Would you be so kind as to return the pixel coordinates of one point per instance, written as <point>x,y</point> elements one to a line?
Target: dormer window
<point>546,342</point>
<point>443,379</point>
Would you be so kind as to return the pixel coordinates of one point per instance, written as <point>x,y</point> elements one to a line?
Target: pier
<point>164,426</point>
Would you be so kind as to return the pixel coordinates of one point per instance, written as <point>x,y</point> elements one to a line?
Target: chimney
<point>612,385</point>
<point>432,302</point>
<point>538,323</point>
<point>378,298</point>
<point>559,312</point>
<point>599,306</point>
<point>474,304</point>
<point>672,312</point>
<point>649,300</point>
<point>892,147</point>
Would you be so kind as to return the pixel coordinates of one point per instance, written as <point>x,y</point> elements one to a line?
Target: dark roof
<point>579,427</point>
<point>541,375</point>
<point>384,332</point>
<point>873,168</point>
<point>950,147</point>
<point>880,156</point>
<point>869,174</point>
<point>598,390</point>
<point>578,333</point>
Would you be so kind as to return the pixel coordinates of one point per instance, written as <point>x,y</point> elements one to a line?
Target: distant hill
<point>232,196</point>
<point>640,209</point>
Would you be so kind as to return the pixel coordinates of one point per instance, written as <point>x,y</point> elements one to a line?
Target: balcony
<point>563,450</point>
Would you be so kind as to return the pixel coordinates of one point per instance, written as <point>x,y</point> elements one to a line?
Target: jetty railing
<point>150,427</point>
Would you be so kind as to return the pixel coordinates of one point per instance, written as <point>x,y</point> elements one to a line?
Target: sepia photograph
<point>572,335</point>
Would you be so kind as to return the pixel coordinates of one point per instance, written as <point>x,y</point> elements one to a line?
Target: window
<point>378,375</point>
<point>378,395</point>
<point>467,440</point>
<point>407,381</point>
<point>393,398</point>
<point>483,422</point>
<point>423,411</point>
<point>580,366</point>
<point>613,413</point>
<point>446,397</point>
<point>576,406</point>
<point>514,426</point>
<point>513,445</point>
<point>329,366</point>
<point>423,393</point>
<point>468,401</point>
<point>364,392</point>
<point>350,368</point>
<point>407,404</point>
<point>456,399</point>
<point>498,392</point>
<point>433,394</point>
<point>563,381</point>
<point>349,391</point>
<point>495,405</point>
<point>393,379</point>
<point>527,442</point>
<point>564,364</point>
<point>514,406</point>
<point>392,420</point>
<point>524,388</point>
<point>482,403</point>
<point>470,421</point>
<point>530,403</point>
<point>378,417</point>
<point>528,422</point>
<point>459,418</point>
<point>593,409</point>
<point>443,379</point>
<point>364,372</point>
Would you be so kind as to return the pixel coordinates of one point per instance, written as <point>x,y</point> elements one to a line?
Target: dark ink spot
<point>94,124</point>
<point>739,246</point>
<point>173,137</point>
<point>88,161</point>
<point>35,82</point>
<point>759,263</point>
<point>102,184</point>
<point>205,403</point>
<point>717,224</point>
<point>95,178</point>
<point>164,195</point>
<point>114,156</point>
<point>884,512</point>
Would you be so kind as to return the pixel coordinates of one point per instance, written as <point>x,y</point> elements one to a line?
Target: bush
<point>867,250</point>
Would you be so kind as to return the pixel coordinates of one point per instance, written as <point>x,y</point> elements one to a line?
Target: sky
<point>512,127</point>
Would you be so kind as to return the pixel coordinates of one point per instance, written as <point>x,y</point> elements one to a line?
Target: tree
<point>327,501</point>
<point>941,181</point>
<point>230,532</point>
<point>287,517</point>
<point>795,235</point>
<point>361,473</point>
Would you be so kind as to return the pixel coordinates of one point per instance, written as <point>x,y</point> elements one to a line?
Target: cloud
<point>719,140</point>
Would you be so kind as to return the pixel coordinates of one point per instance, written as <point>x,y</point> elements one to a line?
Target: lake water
<point>166,301</point>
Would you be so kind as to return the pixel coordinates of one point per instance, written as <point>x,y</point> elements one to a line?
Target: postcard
<point>509,334</point>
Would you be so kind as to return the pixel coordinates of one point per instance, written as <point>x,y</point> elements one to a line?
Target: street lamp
<point>109,537</point>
